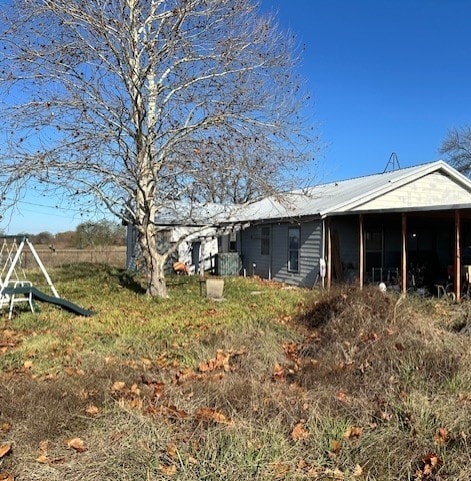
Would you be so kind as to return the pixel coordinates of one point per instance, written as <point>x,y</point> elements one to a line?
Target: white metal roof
<point>323,200</point>
<point>343,196</point>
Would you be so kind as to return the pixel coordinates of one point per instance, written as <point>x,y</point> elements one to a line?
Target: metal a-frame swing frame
<point>19,290</point>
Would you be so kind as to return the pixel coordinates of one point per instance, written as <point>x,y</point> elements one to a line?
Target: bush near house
<point>272,383</point>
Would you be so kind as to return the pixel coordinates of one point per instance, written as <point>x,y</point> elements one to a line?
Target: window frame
<point>265,240</point>
<point>294,250</point>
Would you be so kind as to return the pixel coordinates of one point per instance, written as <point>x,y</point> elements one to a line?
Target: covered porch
<point>426,250</point>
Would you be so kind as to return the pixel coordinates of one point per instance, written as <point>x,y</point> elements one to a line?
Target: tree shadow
<point>127,280</point>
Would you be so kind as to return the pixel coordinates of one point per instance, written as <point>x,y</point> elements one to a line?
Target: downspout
<point>457,260</point>
<point>329,253</point>
<point>404,254</point>
<point>239,247</point>
<point>323,250</point>
<point>361,261</point>
<point>270,267</point>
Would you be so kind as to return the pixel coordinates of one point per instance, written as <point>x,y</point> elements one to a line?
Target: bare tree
<point>457,147</point>
<point>137,104</point>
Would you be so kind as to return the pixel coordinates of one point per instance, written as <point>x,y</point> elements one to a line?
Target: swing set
<point>14,286</point>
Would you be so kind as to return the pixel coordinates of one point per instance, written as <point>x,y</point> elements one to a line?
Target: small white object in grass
<point>382,287</point>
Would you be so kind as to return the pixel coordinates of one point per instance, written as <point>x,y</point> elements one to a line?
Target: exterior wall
<point>435,189</point>
<point>199,253</point>
<point>198,250</point>
<point>253,262</point>
<point>275,264</point>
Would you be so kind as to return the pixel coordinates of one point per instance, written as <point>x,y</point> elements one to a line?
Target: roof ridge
<point>410,167</point>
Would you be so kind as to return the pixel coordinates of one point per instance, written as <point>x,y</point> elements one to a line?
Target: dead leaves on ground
<point>150,403</point>
<point>441,437</point>
<point>7,477</point>
<point>428,466</point>
<point>77,445</point>
<point>222,361</point>
<point>300,431</point>
<point>5,449</point>
<point>168,469</point>
<point>43,455</point>
<point>283,470</point>
<point>92,410</point>
<point>201,414</point>
<point>9,339</point>
<point>208,414</point>
<point>4,428</point>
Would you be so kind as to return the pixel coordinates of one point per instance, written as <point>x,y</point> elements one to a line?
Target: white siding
<point>435,189</point>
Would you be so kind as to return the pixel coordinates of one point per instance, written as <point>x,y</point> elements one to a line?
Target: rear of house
<point>407,228</point>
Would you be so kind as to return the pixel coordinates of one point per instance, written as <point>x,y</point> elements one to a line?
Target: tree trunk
<point>156,285</point>
<point>153,262</point>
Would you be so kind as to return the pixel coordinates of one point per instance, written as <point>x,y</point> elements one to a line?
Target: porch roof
<point>356,195</point>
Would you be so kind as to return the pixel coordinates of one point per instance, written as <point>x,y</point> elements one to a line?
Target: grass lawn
<point>271,383</point>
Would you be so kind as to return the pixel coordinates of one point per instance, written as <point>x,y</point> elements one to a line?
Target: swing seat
<point>15,292</point>
<point>18,298</point>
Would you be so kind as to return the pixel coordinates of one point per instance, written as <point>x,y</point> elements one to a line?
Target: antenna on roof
<point>393,163</point>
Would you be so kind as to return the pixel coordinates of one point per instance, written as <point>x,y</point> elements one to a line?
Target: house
<point>410,227</point>
<point>195,232</point>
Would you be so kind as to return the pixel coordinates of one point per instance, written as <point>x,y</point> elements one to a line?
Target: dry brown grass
<point>109,255</point>
<point>350,385</point>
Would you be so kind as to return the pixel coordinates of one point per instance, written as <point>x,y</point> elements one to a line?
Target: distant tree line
<point>86,235</point>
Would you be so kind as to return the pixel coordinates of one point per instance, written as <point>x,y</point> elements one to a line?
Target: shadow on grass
<point>128,281</point>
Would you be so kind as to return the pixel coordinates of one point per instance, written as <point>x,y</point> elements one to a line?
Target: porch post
<point>361,251</point>
<point>404,254</point>
<point>329,254</point>
<point>457,263</point>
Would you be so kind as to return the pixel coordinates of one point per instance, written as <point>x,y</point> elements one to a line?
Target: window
<point>233,242</point>
<point>294,235</point>
<point>373,249</point>
<point>164,240</point>
<point>265,241</point>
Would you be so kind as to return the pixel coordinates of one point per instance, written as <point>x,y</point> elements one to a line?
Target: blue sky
<point>384,75</point>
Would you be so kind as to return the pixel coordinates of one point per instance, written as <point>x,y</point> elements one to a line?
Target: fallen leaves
<point>353,432</point>
<point>428,466</point>
<point>208,414</point>
<point>300,431</point>
<point>280,470</point>
<point>279,373</point>
<point>4,428</point>
<point>118,386</point>
<point>342,397</point>
<point>358,471</point>
<point>5,449</point>
<point>221,361</point>
<point>170,412</point>
<point>92,410</point>
<point>335,447</point>
<point>28,365</point>
<point>7,477</point>
<point>74,371</point>
<point>168,469</point>
<point>76,444</point>
<point>441,436</point>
